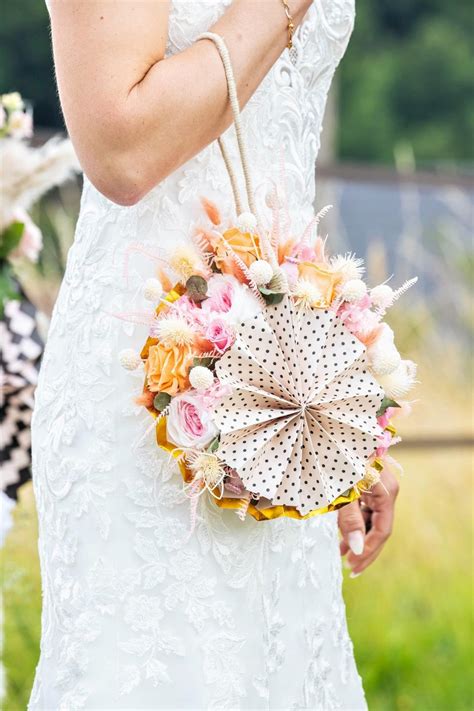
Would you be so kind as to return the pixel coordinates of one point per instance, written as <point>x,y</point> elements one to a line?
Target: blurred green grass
<point>409,614</point>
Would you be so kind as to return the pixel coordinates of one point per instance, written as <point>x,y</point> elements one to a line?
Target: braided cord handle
<point>234,103</point>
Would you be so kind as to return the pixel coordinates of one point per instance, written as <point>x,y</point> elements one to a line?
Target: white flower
<point>400,381</point>
<point>129,359</point>
<point>208,467</point>
<point>305,293</point>
<point>174,330</point>
<point>185,261</point>
<point>246,222</point>
<point>13,101</point>
<point>152,290</point>
<point>31,241</point>
<point>201,378</point>
<point>348,266</point>
<point>353,290</point>
<point>382,296</point>
<point>261,272</point>
<point>20,125</point>
<point>383,355</point>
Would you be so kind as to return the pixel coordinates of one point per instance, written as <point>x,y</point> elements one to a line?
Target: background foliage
<point>407,77</point>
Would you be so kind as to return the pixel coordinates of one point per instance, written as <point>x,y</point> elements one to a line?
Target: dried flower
<point>174,330</point>
<point>185,262</point>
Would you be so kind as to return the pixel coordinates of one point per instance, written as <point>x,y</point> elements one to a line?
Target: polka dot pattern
<point>300,423</point>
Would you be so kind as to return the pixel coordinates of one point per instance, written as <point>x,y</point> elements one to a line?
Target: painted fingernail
<point>355,540</point>
<point>355,575</point>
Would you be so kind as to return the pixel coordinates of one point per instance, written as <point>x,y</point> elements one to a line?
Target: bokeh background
<point>397,164</point>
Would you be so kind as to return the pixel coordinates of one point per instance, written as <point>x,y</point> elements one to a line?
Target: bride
<point>243,615</point>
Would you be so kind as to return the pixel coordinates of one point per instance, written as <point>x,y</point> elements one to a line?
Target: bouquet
<point>28,173</point>
<point>269,369</point>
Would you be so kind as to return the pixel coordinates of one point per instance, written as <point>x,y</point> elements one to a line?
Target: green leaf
<point>10,238</point>
<point>8,286</point>
<point>161,401</point>
<point>386,403</point>
<point>204,362</point>
<point>213,447</point>
<point>196,288</point>
<point>270,296</point>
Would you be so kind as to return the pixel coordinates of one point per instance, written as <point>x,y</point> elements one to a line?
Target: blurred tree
<point>25,59</point>
<point>408,77</point>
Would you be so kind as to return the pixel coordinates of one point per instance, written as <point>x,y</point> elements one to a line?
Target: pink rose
<point>189,423</point>
<point>219,334</point>
<point>31,240</point>
<point>220,292</point>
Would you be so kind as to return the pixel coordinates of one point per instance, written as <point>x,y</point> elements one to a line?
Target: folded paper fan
<point>300,423</point>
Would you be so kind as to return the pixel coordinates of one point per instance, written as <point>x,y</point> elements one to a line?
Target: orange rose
<point>323,279</point>
<point>167,368</point>
<point>243,244</point>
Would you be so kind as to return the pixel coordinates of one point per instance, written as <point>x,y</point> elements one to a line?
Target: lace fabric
<point>243,616</point>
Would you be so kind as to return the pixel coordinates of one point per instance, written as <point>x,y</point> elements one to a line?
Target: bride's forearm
<point>135,117</point>
<point>181,104</point>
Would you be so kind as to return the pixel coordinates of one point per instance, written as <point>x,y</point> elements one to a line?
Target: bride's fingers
<point>382,502</point>
<point>352,527</point>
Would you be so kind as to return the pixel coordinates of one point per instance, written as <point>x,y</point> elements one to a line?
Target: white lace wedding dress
<point>244,616</point>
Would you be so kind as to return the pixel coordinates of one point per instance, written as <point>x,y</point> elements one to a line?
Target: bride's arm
<point>134,117</point>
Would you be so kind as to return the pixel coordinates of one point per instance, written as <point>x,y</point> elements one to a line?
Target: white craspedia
<point>400,381</point>
<point>153,290</point>
<point>246,222</point>
<point>382,296</point>
<point>174,330</point>
<point>306,294</point>
<point>261,272</point>
<point>201,378</point>
<point>129,359</point>
<point>347,266</point>
<point>353,290</point>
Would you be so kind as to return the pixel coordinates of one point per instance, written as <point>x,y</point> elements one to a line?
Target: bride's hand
<point>367,523</point>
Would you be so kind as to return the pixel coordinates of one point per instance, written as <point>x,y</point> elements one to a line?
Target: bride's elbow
<point>117,182</point>
<point>121,182</point>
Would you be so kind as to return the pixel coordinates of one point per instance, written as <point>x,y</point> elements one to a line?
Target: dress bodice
<point>283,117</point>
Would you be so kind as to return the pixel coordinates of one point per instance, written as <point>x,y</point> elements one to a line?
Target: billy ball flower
<point>129,359</point>
<point>353,290</point>
<point>246,222</point>
<point>382,296</point>
<point>201,378</point>
<point>261,272</point>
<point>152,290</point>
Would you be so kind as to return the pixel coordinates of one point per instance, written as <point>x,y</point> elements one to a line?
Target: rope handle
<point>234,103</point>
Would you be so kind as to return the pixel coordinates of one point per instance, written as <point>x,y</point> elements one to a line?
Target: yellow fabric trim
<point>259,514</point>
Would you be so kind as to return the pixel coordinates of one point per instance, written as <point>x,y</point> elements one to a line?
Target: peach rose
<point>167,368</point>
<point>323,279</point>
<point>243,244</point>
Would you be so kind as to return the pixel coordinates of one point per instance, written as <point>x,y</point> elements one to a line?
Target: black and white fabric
<point>20,354</point>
